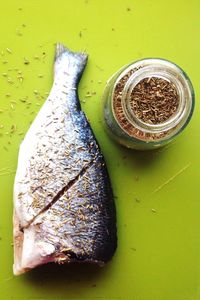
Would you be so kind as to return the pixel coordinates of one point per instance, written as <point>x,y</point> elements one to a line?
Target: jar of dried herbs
<point>148,103</point>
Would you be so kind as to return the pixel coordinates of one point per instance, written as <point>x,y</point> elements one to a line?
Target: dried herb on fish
<point>64,206</point>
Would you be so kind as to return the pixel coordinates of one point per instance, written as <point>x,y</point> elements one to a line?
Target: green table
<point>157,193</point>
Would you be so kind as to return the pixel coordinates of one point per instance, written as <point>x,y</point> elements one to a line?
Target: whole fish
<point>63,201</point>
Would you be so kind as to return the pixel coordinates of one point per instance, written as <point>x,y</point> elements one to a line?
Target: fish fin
<point>60,49</point>
<point>70,61</point>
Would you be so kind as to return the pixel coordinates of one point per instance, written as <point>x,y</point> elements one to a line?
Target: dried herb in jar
<point>148,103</point>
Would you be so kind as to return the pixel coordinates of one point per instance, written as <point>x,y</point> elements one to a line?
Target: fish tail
<point>70,63</point>
<point>60,49</point>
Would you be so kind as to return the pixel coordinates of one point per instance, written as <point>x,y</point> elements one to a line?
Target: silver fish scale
<point>58,156</point>
<point>63,201</point>
<point>78,220</point>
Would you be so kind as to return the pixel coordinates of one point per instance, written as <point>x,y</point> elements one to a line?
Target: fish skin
<point>64,209</point>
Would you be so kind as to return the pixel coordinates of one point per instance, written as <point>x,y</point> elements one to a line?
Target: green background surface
<point>157,193</point>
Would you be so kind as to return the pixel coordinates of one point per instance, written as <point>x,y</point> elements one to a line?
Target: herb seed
<point>9,50</point>
<point>154,100</point>
<point>26,61</point>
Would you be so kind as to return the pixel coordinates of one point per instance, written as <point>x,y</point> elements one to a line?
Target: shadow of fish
<point>63,201</point>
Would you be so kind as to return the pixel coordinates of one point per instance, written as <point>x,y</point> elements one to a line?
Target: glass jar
<point>122,122</point>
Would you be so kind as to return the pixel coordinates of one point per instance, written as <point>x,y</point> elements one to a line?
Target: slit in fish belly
<point>60,193</point>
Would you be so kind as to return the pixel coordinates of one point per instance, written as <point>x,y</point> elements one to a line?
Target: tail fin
<point>60,49</point>
<point>72,63</point>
